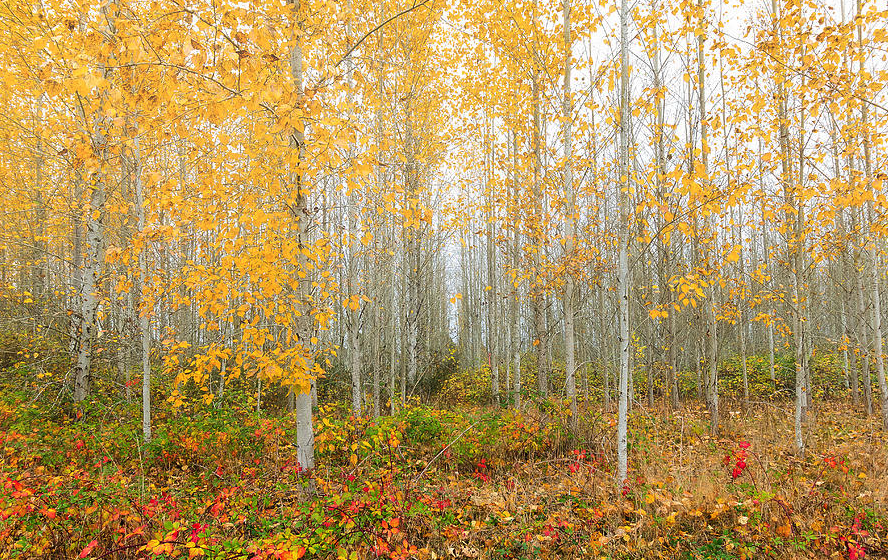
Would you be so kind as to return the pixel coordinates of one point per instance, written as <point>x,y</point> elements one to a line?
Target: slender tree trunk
<point>570,226</point>
<point>516,261</point>
<point>412,255</point>
<point>353,312</point>
<point>711,318</point>
<point>89,297</point>
<point>603,354</point>
<point>698,373</point>
<point>741,306</point>
<point>862,328</point>
<point>875,270</point>
<point>850,375</point>
<point>650,365</point>
<point>799,274</point>
<point>537,297</point>
<point>770,323</point>
<point>493,326</point>
<point>394,392</point>
<point>303,404</point>
<point>623,266</point>
<point>144,303</point>
<point>123,347</point>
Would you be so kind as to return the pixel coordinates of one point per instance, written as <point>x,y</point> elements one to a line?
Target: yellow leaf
<point>734,255</point>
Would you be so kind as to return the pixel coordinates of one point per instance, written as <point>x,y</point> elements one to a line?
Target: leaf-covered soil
<point>428,483</point>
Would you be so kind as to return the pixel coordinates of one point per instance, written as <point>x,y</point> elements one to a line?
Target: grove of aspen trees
<point>432,279</point>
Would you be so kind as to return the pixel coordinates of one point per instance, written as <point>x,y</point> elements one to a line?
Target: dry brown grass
<point>683,502</point>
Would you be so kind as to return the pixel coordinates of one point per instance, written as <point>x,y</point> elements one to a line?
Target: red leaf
<point>89,548</point>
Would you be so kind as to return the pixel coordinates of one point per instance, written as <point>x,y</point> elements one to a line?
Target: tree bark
<point>570,226</point>
<point>303,404</point>
<point>623,264</point>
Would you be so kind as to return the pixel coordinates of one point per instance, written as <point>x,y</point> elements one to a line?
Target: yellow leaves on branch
<point>353,302</point>
<point>734,254</point>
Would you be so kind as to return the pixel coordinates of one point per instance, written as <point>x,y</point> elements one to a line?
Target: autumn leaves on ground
<point>435,482</point>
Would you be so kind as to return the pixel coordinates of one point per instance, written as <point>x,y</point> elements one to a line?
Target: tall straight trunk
<point>711,322</point>
<point>623,266</point>
<point>303,400</point>
<point>412,254</point>
<point>712,362</point>
<point>493,326</point>
<point>738,241</point>
<point>40,256</point>
<point>672,364</point>
<point>770,323</point>
<point>850,375</point>
<point>839,287</point>
<point>698,370</point>
<point>875,275</point>
<point>537,296</point>
<point>93,256</point>
<point>513,302</point>
<point>793,250</point>
<point>570,227</point>
<point>376,358</point>
<point>402,373</point>
<point>873,250</point>
<point>228,342</point>
<point>353,312</point>
<point>76,288</point>
<point>89,297</point>
<point>667,344</point>
<point>741,306</point>
<point>877,334</point>
<point>394,392</point>
<point>353,323</point>
<point>603,354</point>
<point>862,324</point>
<point>799,275</point>
<point>123,348</point>
<point>649,382</point>
<point>144,303</point>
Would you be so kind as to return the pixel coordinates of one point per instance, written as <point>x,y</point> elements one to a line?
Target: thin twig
<point>446,447</point>
<point>378,27</point>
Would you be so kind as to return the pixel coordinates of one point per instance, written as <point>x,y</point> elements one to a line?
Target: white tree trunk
<point>303,404</point>
<point>873,251</point>
<point>353,316</point>
<point>570,227</point>
<point>513,304</point>
<point>711,317</point>
<point>89,298</point>
<point>493,326</point>
<point>623,266</point>
<point>144,310</point>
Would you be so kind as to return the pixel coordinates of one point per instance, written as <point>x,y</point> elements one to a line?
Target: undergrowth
<point>431,483</point>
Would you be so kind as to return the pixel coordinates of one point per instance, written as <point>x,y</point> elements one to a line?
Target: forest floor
<point>429,483</point>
